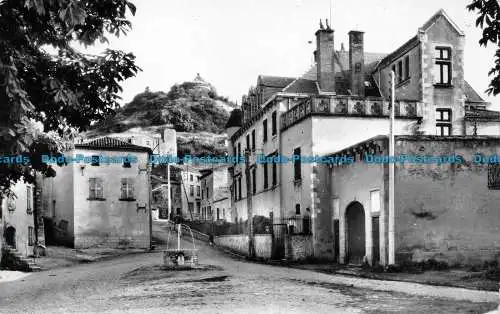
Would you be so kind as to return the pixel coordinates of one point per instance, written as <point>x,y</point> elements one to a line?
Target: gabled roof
<point>109,143</point>
<point>470,94</point>
<point>435,17</point>
<point>274,81</point>
<point>302,86</point>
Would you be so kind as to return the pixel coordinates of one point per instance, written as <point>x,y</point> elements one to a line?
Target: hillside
<point>193,109</point>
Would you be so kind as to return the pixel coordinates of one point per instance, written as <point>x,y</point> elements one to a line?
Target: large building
<point>342,102</point>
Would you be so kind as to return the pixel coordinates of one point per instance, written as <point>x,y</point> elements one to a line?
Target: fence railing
<point>261,225</point>
<point>296,224</point>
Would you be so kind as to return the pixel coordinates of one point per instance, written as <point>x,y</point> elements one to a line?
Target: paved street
<point>136,284</point>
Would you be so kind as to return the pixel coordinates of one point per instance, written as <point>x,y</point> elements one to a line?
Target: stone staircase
<point>12,259</point>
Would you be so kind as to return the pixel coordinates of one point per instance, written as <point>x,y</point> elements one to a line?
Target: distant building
<point>101,203</point>
<point>215,195</point>
<point>187,193</point>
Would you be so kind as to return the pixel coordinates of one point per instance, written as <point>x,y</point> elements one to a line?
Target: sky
<point>231,42</point>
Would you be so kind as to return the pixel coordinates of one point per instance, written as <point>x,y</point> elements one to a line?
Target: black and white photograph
<point>250,156</point>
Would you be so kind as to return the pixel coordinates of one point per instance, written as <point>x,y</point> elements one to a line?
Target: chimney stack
<point>324,58</point>
<point>357,63</point>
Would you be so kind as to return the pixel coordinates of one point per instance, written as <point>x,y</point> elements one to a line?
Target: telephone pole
<point>251,242</point>
<point>392,258</point>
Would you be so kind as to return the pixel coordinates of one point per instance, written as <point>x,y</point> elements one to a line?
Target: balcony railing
<point>349,106</point>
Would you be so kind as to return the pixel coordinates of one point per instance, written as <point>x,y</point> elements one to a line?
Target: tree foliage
<point>44,79</point>
<point>489,21</point>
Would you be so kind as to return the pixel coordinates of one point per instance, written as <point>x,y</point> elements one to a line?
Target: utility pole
<point>251,242</point>
<point>392,259</point>
<point>169,188</point>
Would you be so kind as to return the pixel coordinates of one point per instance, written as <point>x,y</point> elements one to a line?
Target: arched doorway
<point>355,226</point>
<point>10,236</point>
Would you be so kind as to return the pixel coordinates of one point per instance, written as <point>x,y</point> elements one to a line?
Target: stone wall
<point>299,247</point>
<point>237,243</point>
<point>447,212</point>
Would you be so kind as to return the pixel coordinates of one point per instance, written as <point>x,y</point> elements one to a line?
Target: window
<point>191,177</point>
<point>29,199</point>
<point>253,140</point>
<point>297,209</point>
<point>264,130</point>
<point>275,174</point>
<point>31,236</point>
<point>407,67</point>
<point>266,179</point>
<point>296,164</point>
<point>126,163</point>
<point>375,201</point>
<point>239,188</point>
<point>208,194</point>
<point>494,176</point>
<point>442,74</point>
<point>400,71</point>
<point>239,149</point>
<point>191,207</point>
<point>198,179</point>
<point>95,160</point>
<point>254,180</point>
<point>443,115</point>
<point>274,122</point>
<point>191,190</point>
<point>127,189</point>
<point>443,122</point>
<point>95,189</point>
<point>198,191</point>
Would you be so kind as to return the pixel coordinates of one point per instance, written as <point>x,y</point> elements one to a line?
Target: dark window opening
<point>297,209</point>
<point>95,160</point>
<point>264,130</point>
<point>296,164</point>
<point>274,122</point>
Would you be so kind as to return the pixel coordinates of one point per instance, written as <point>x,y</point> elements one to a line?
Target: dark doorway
<point>376,241</point>
<point>355,220</point>
<point>336,244</point>
<point>10,236</point>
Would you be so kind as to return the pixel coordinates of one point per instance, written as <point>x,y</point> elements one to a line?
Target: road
<point>137,284</point>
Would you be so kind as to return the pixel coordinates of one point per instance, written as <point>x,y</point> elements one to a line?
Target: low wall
<point>263,245</point>
<point>237,243</point>
<point>299,247</point>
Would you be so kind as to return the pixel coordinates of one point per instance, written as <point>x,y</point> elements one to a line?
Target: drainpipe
<point>391,175</point>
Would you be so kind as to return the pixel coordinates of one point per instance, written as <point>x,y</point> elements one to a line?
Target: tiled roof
<point>482,115</point>
<point>342,77</point>
<point>470,94</point>
<point>110,143</point>
<point>275,81</point>
<point>302,86</point>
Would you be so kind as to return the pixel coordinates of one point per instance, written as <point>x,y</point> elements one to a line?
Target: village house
<point>100,203</point>
<point>18,222</point>
<point>332,110</point>
<point>187,193</point>
<point>215,201</point>
<point>18,237</point>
